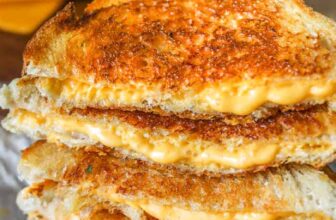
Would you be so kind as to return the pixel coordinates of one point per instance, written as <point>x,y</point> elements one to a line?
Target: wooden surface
<point>11,47</point>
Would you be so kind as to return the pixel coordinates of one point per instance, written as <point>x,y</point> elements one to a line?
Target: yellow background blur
<point>24,16</point>
<point>18,21</point>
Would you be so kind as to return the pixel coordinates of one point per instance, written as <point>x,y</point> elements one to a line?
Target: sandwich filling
<point>162,212</point>
<point>241,98</point>
<point>163,146</point>
<point>165,192</point>
<point>48,199</point>
<point>169,212</point>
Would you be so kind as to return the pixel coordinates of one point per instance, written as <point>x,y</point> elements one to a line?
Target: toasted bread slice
<point>49,200</point>
<point>189,57</point>
<point>165,191</point>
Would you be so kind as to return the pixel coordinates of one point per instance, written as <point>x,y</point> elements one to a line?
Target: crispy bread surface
<point>209,41</point>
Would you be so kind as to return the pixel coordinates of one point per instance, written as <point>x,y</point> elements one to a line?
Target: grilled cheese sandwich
<point>171,149</point>
<point>48,199</point>
<point>287,192</point>
<point>178,109</point>
<point>228,60</point>
<point>304,136</point>
<point>234,153</point>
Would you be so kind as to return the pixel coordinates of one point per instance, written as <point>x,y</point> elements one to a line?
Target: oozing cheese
<point>165,147</point>
<point>159,147</point>
<point>169,212</point>
<point>238,98</point>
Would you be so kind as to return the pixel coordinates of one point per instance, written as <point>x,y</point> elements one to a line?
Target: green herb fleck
<point>89,169</point>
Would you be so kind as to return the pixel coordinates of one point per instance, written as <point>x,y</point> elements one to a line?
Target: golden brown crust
<point>176,43</point>
<point>39,45</point>
<point>310,123</point>
<point>104,167</point>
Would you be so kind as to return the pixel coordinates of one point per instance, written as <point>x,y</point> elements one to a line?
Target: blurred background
<point>19,19</point>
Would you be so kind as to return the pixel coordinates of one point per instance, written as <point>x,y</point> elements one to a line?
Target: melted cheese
<point>24,17</point>
<point>238,98</point>
<point>159,147</point>
<point>166,212</point>
<point>170,213</point>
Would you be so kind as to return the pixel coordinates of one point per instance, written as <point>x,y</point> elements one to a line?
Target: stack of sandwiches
<point>178,109</point>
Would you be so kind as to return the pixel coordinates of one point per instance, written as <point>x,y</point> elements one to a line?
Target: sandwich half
<point>288,192</point>
<point>306,137</point>
<point>192,58</point>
